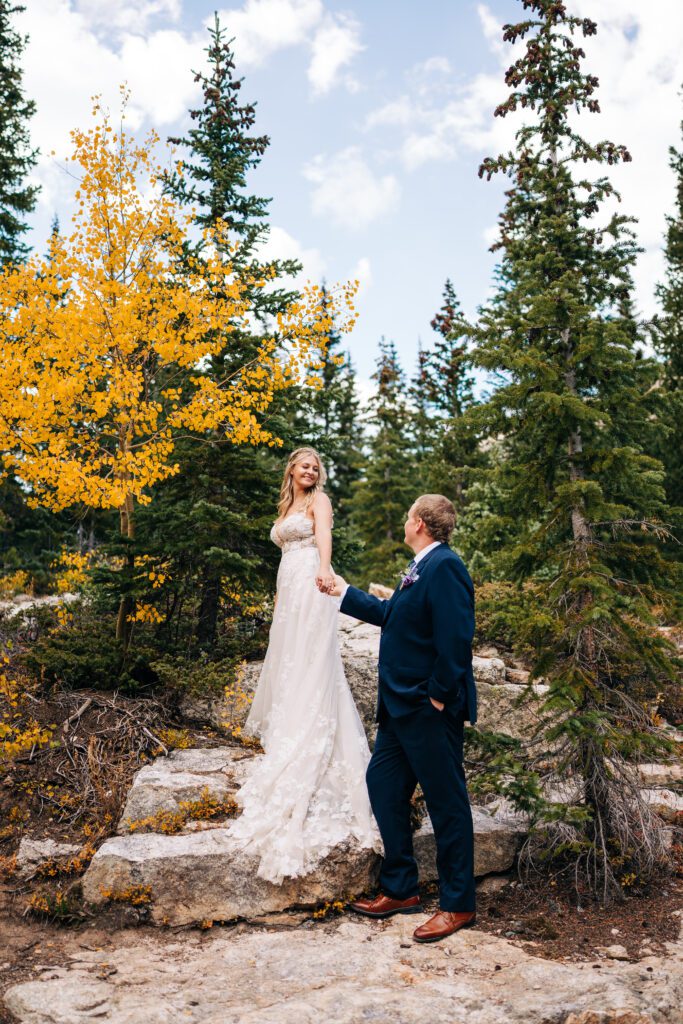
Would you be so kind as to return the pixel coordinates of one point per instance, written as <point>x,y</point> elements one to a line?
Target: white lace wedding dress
<point>307,792</point>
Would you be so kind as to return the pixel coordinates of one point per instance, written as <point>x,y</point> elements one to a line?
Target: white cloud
<point>362,272</point>
<point>435,129</point>
<point>261,27</point>
<point>435,65</point>
<point>280,245</point>
<point>335,44</point>
<point>441,115</point>
<point>366,389</point>
<point>156,68</point>
<point>127,15</point>
<point>347,191</point>
<point>640,68</point>
<point>79,48</point>
<point>400,112</point>
<point>490,235</point>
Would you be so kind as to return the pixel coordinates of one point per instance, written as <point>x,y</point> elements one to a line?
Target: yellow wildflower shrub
<point>171,822</point>
<point>135,895</point>
<point>19,732</point>
<point>237,702</point>
<point>13,583</point>
<point>71,571</point>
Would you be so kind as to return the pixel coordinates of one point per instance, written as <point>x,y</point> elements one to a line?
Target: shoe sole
<point>388,913</point>
<point>438,938</point>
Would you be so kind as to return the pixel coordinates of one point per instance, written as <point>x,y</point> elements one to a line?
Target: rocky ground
<point>227,947</point>
<point>344,972</point>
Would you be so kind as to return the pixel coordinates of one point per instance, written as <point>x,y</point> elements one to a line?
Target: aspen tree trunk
<point>127,532</point>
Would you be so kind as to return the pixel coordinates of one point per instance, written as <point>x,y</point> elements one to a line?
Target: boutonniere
<point>409,577</point>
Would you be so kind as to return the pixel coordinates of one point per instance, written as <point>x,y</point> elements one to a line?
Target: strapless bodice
<point>294,532</point>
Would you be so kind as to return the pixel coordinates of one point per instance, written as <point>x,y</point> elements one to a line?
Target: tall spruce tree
<point>449,381</point>
<point>212,518</point>
<point>424,432</point>
<point>17,157</point>
<point>668,339</point>
<point>448,385</point>
<point>582,502</point>
<point>328,417</point>
<point>388,487</point>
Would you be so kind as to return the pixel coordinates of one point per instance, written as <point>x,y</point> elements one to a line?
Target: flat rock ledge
<point>345,973</point>
<point>202,874</point>
<point>34,853</point>
<point>184,776</point>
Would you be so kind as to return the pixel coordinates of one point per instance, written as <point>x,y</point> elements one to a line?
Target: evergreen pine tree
<point>448,384</point>
<point>449,381</point>
<point>668,339</point>
<point>387,489</point>
<point>582,502</point>
<point>424,432</point>
<point>213,518</point>
<point>327,416</point>
<point>17,158</point>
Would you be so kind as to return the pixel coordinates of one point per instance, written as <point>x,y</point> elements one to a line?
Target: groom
<point>426,692</point>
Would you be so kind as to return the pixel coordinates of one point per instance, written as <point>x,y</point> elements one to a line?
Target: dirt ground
<point>547,924</point>
<point>75,792</point>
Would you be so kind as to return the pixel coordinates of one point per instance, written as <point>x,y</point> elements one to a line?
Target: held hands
<point>330,583</point>
<point>324,581</point>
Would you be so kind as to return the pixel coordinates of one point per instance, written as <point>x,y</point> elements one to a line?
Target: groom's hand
<point>437,704</point>
<point>339,585</point>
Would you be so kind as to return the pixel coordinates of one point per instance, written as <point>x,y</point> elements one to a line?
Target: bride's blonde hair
<point>287,489</point>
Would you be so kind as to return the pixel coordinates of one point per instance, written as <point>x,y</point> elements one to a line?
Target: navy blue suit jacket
<point>426,644</point>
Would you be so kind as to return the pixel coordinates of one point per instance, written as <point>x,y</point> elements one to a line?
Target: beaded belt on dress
<point>294,545</point>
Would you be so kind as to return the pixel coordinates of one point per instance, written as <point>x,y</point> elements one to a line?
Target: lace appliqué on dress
<point>307,793</point>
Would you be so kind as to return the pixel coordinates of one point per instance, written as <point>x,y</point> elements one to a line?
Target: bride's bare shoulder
<point>321,504</point>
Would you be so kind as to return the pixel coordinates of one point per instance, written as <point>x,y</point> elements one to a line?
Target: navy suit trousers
<point>426,747</point>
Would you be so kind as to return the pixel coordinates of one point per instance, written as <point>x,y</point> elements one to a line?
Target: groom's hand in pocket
<point>437,704</point>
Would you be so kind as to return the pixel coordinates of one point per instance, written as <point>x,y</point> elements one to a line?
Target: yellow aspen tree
<point>106,340</point>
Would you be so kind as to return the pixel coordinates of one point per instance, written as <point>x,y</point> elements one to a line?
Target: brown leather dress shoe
<point>444,923</point>
<point>386,906</point>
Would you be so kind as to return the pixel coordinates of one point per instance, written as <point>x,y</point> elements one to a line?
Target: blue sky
<point>379,114</point>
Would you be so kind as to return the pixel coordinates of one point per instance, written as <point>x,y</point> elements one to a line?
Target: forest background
<point>143,449</point>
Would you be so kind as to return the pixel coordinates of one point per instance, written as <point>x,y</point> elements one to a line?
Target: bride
<point>307,793</point>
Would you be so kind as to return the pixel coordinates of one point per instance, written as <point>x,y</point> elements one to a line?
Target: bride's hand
<point>339,583</point>
<point>324,581</point>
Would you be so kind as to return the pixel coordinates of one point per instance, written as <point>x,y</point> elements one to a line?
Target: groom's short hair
<point>438,515</point>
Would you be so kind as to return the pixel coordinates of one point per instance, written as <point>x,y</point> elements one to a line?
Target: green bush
<point>514,617</point>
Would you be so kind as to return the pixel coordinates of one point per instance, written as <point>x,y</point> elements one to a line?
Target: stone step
<point>185,775</point>
<point>201,873</point>
<point>665,803</point>
<point>344,971</point>
<point>655,775</point>
<point>204,875</point>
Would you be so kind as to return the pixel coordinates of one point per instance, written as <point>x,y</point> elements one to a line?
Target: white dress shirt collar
<point>425,551</point>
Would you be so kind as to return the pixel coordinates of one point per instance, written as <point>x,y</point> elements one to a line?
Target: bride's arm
<point>322,523</point>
